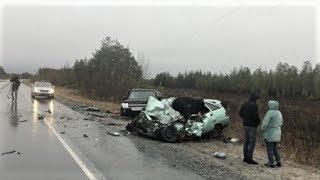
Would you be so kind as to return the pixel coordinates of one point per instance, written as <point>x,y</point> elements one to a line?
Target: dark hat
<point>255,96</point>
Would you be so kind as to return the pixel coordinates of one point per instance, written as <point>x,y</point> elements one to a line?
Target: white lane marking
<point>72,153</point>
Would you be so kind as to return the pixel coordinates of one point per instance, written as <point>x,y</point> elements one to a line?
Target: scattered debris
<point>62,132</point>
<point>234,140</point>
<point>113,124</point>
<point>19,153</point>
<point>9,152</point>
<point>49,111</point>
<point>41,116</point>
<point>220,155</point>
<point>98,115</point>
<point>88,119</point>
<point>114,133</point>
<point>90,108</point>
<point>62,117</point>
<point>84,135</point>
<point>23,120</point>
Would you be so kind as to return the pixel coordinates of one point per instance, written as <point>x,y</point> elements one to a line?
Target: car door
<point>212,117</point>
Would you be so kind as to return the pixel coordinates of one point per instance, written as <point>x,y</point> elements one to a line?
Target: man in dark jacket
<point>14,87</point>
<point>250,114</point>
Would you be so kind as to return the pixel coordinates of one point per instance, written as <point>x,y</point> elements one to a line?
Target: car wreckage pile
<point>180,118</point>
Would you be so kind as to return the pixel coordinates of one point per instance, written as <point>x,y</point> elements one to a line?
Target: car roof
<point>212,101</point>
<point>142,89</point>
<point>42,82</point>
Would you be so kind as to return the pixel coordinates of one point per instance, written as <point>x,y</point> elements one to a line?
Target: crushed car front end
<point>161,120</point>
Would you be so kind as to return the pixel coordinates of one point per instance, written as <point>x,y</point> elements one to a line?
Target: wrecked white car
<point>180,118</point>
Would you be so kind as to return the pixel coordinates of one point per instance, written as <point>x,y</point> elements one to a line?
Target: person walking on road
<point>249,112</point>
<point>271,128</point>
<point>14,87</point>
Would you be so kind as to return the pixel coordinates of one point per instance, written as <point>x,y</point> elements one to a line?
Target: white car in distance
<point>42,89</point>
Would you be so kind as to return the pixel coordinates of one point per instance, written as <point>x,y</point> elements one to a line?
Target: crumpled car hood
<point>161,111</point>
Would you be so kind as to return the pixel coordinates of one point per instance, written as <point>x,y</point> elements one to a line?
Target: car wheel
<point>217,131</point>
<point>123,113</point>
<point>170,134</point>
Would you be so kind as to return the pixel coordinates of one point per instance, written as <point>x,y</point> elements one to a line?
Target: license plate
<point>136,108</point>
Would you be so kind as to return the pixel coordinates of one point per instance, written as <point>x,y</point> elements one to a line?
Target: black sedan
<point>136,101</point>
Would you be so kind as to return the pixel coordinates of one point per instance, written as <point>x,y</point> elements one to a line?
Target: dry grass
<point>74,95</point>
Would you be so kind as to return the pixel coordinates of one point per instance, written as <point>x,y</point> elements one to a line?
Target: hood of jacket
<point>273,105</point>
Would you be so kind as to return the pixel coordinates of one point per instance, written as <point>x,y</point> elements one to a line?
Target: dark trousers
<point>273,151</point>
<point>250,137</point>
<point>14,94</point>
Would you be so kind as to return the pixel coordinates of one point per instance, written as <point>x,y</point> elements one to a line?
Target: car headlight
<point>125,105</point>
<point>51,91</point>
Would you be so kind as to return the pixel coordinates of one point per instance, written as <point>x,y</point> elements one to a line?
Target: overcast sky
<point>175,39</point>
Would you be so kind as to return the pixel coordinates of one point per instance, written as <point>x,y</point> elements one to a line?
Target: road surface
<point>64,146</point>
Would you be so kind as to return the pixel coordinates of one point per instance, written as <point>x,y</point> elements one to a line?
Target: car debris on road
<point>41,116</point>
<point>220,155</point>
<point>175,118</point>
<point>9,152</point>
<point>91,108</point>
<point>114,133</point>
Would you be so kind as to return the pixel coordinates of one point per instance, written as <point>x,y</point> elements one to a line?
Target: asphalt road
<point>56,148</point>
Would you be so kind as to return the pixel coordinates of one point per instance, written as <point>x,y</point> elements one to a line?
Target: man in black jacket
<point>250,114</point>
<point>14,87</point>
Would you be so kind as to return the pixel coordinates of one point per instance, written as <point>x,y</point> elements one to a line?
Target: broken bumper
<point>131,110</point>
<point>50,95</point>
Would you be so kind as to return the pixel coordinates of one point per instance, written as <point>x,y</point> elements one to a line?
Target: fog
<point>174,39</point>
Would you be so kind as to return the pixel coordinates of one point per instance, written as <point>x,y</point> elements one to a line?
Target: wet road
<point>41,154</point>
<point>55,148</point>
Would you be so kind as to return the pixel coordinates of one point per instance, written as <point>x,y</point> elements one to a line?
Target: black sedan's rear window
<point>141,94</point>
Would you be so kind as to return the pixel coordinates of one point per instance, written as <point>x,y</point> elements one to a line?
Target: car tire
<point>217,131</point>
<point>170,134</point>
<point>123,113</point>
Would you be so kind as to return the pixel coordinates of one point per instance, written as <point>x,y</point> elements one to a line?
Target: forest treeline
<point>113,70</point>
<point>109,74</point>
<point>284,81</point>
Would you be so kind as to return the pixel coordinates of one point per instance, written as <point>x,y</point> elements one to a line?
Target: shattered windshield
<point>43,84</point>
<point>212,107</point>
<point>141,94</point>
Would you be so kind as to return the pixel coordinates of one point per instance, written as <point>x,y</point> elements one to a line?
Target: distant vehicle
<point>176,118</point>
<point>136,101</point>
<point>42,89</point>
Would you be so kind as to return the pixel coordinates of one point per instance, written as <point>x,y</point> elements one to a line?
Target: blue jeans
<point>273,151</point>
<point>250,137</point>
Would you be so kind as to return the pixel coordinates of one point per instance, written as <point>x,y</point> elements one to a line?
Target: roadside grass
<point>74,95</point>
